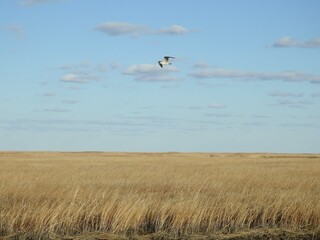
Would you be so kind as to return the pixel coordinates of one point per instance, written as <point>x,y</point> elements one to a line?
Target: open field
<point>94,195</point>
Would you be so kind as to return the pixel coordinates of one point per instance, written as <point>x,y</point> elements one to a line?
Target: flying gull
<point>165,61</point>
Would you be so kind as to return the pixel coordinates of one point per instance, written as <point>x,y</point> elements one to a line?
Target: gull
<point>165,61</point>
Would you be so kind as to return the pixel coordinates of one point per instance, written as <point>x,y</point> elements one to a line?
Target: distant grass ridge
<point>96,195</point>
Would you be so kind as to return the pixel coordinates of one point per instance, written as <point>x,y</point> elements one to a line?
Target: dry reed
<point>192,195</point>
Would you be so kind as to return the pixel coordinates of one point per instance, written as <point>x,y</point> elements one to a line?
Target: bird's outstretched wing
<point>160,64</point>
<point>167,58</point>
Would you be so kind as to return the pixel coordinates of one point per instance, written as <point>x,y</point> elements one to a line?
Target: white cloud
<point>124,28</point>
<point>216,106</point>
<point>82,65</point>
<point>49,94</point>
<point>81,77</point>
<point>221,73</point>
<point>83,72</point>
<point>102,68</point>
<point>286,42</point>
<point>142,69</point>
<point>151,73</point>
<point>292,76</point>
<point>70,101</point>
<point>14,29</point>
<point>70,78</point>
<point>173,30</point>
<point>222,115</point>
<point>36,2</point>
<point>292,103</point>
<point>156,78</point>
<point>57,110</point>
<point>201,64</point>
<point>285,94</point>
<point>313,43</point>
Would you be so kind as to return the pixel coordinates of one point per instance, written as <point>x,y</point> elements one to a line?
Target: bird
<point>165,61</point>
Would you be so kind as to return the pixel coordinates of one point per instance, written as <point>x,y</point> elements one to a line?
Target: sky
<point>80,75</point>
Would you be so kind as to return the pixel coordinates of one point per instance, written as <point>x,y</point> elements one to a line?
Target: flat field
<point>97,195</point>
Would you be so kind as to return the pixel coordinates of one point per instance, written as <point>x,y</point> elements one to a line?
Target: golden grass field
<point>93,195</point>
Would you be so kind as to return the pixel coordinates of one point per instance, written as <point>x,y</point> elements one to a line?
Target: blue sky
<point>80,75</point>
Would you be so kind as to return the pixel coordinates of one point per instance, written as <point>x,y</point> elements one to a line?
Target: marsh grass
<point>158,195</point>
